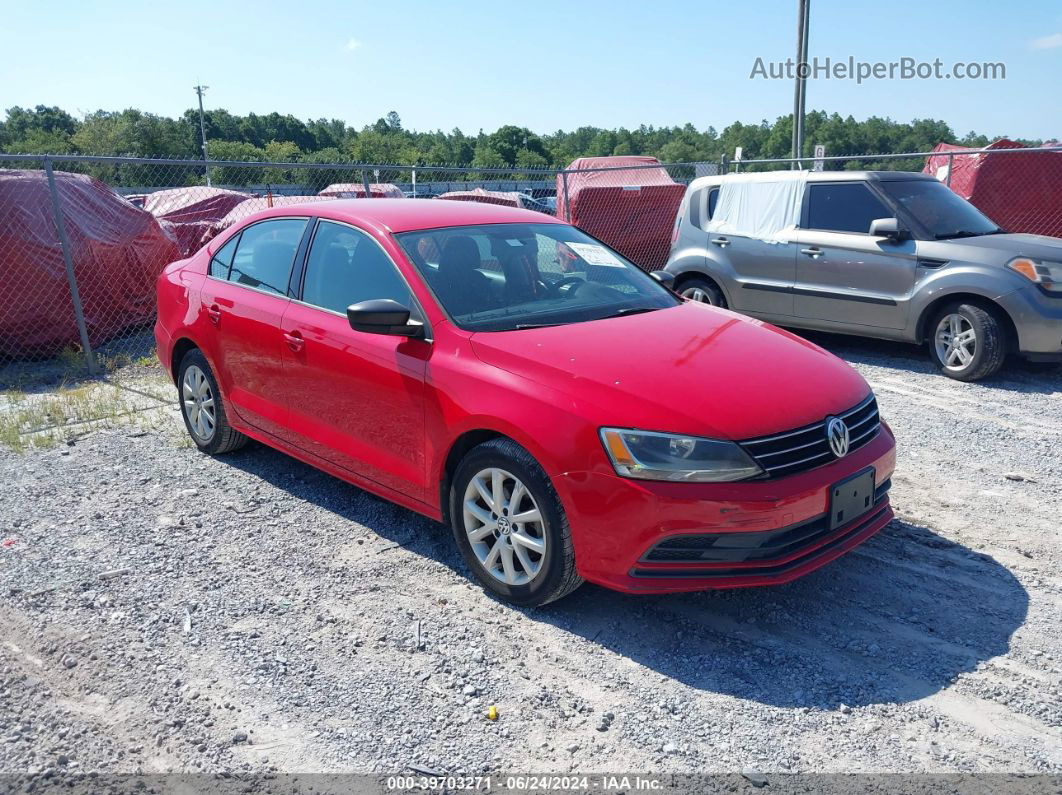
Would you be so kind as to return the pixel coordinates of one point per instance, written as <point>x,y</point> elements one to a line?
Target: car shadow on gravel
<point>1016,374</point>
<point>893,621</point>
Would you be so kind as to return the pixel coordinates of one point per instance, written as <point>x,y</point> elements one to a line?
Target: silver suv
<point>894,255</point>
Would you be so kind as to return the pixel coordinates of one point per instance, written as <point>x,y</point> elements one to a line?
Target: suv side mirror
<point>383,316</point>
<point>888,228</point>
<point>665,278</point>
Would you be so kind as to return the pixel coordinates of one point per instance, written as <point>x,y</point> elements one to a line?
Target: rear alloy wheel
<point>202,407</point>
<point>510,526</point>
<point>703,292</point>
<point>968,342</point>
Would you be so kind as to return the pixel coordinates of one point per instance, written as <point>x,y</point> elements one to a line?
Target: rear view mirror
<point>383,316</point>
<point>665,278</point>
<point>888,228</point>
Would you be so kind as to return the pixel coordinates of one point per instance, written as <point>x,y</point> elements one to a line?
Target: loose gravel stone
<point>934,647</point>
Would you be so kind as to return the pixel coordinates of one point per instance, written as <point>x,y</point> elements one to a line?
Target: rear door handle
<point>294,340</point>
<point>814,251</point>
<point>214,313</point>
<point>719,241</point>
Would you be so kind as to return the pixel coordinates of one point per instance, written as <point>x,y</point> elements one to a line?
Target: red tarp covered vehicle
<point>190,213</point>
<point>118,252</point>
<point>1022,192</point>
<point>504,198</point>
<point>356,190</point>
<point>631,209</point>
<point>253,205</point>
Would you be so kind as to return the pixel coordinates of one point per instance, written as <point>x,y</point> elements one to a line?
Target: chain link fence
<point>83,239</point>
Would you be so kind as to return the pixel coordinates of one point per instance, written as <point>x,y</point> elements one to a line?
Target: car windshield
<point>944,214</point>
<point>503,277</point>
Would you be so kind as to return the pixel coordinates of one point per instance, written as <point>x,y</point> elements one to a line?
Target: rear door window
<point>713,200</point>
<point>265,254</point>
<point>843,207</point>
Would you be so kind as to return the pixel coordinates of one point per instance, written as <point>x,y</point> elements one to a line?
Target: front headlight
<point>1046,274</point>
<point>668,456</point>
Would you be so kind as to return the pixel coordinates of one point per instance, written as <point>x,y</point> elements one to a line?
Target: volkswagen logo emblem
<point>837,436</point>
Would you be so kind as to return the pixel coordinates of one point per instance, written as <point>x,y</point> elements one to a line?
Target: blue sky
<point>545,65</point>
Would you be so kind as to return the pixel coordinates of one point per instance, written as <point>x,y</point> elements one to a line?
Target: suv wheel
<point>202,407</point>
<point>968,343</point>
<point>510,525</point>
<point>702,291</point>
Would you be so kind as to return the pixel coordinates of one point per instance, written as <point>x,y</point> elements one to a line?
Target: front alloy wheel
<point>969,342</point>
<point>504,526</point>
<point>510,526</point>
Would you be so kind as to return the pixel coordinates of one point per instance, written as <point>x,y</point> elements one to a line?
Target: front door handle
<point>719,241</point>
<point>294,340</point>
<point>214,313</point>
<point>814,251</point>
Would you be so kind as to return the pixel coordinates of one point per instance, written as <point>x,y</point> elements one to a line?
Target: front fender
<point>959,280</point>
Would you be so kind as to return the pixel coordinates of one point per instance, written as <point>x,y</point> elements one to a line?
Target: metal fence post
<point>68,260</point>
<point>951,165</point>
<point>365,183</point>
<point>567,207</point>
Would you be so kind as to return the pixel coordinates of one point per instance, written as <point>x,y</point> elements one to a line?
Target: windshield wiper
<point>630,310</point>
<point>966,233</point>
<point>522,326</point>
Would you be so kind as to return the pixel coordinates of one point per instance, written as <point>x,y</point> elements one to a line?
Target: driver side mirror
<point>889,228</point>
<point>383,316</point>
<point>665,278</point>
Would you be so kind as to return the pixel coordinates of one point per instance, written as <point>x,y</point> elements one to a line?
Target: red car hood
<point>689,369</point>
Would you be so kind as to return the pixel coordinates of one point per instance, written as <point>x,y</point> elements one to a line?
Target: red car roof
<point>405,215</point>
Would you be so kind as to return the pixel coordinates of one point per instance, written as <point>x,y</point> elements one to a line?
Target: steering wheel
<point>568,281</point>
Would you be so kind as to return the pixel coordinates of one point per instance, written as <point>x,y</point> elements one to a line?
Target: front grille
<point>806,448</point>
<point>740,547</point>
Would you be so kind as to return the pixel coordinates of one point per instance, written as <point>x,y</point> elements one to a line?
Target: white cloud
<point>1047,42</point>
<point>352,44</point>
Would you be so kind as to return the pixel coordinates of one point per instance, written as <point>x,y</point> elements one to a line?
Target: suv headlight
<point>1046,274</point>
<point>668,456</point>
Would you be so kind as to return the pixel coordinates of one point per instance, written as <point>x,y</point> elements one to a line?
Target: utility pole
<point>202,131</point>
<point>800,92</point>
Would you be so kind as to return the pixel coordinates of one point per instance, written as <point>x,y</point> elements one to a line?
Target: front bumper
<point>1037,318</point>
<point>776,529</point>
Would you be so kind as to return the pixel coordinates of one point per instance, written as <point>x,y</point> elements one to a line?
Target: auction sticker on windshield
<point>595,254</point>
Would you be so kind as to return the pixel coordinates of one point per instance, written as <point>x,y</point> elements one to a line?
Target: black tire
<point>990,346</point>
<point>702,290</point>
<point>557,577</point>
<point>223,438</point>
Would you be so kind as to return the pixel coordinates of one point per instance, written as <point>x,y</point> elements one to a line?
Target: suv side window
<point>346,267</point>
<point>265,253</point>
<point>222,260</point>
<point>695,208</point>
<point>713,200</point>
<point>843,207</point>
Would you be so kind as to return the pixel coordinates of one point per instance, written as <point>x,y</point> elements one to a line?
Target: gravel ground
<point>165,611</point>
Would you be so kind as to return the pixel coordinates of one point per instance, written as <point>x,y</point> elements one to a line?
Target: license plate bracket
<point>851,498</point>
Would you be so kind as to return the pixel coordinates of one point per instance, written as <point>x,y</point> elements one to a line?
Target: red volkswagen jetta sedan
<point>495,369</point>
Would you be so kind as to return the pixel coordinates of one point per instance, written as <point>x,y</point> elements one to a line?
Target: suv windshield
<point>503,277</point>
<point>944,214</point>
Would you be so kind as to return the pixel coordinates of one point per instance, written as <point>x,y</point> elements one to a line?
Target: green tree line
<point>284,138</point>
